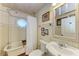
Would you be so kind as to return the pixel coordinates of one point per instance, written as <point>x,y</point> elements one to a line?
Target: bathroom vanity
<point>58,49</point>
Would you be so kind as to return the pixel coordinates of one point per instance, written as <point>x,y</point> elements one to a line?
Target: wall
<point>44,24</point>
<point>72,41</point>
<point>53,37</point>
<point>9,31</point>
<point>58,30</point>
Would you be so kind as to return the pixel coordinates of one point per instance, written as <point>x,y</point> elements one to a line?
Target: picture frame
<point>44,32</point>
<point>45,17</point>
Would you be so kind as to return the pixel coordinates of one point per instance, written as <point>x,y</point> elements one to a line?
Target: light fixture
<point>53,4</point>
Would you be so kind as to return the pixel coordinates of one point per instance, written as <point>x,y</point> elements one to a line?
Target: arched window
<point>22,23</point>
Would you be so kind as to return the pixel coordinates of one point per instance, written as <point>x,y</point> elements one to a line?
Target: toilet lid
<point>36,53</point>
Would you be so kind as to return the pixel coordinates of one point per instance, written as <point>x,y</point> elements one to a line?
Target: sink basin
<point>57,50</point>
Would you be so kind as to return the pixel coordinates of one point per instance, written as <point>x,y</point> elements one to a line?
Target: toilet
<point>39,52</point>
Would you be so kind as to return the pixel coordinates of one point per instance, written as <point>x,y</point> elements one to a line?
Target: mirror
<point>65,22</point>
<point>66,26</point>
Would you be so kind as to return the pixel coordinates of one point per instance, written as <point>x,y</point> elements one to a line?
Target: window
<point>64,9</point>
<point>22,23</point>
<point>68,26</point>
<point>70,6</point>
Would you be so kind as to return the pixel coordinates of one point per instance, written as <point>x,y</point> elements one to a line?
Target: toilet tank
<point>43,46</point>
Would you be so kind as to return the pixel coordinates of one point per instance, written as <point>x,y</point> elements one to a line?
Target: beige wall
<point>9,31</point>
<point>70,41</point>
<point>44,24</point>
<point>58,30</point>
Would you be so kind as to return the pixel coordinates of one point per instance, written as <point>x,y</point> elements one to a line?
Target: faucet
<point>62,45</point>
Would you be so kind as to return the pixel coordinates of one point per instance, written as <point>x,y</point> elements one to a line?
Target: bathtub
<point>14,49</point>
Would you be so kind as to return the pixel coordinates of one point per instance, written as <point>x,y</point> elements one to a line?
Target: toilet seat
<point>36,53</point>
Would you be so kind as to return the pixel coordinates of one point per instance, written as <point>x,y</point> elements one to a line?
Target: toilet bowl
<point>39,52</point>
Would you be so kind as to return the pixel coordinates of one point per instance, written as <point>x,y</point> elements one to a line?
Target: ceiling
<point>30,8</point>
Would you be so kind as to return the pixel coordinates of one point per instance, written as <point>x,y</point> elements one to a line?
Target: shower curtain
<point>31,34</point>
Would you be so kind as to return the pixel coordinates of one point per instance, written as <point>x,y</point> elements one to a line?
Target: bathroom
<point>39,29</point>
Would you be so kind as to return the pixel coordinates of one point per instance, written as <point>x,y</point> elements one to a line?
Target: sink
<point>55,49</point>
